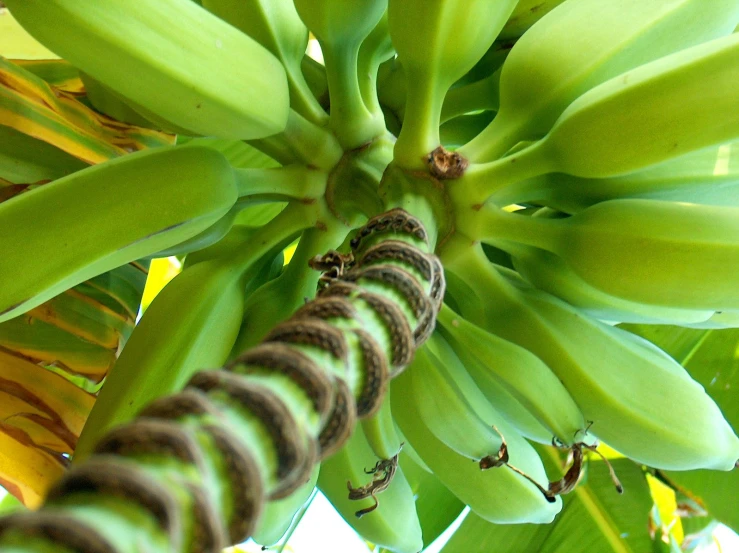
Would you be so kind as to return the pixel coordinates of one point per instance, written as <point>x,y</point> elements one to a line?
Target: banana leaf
<point>31,106</point>
<point>60,74</point>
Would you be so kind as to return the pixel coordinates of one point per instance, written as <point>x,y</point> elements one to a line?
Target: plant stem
<point>282,183</point>
<point>420,132</point>
<point>196,485</point>
<point>301,142</point>
<point>350,120</point>
<point>495,181</point>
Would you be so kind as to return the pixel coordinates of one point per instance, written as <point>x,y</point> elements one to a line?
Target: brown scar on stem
<point>446,165</point>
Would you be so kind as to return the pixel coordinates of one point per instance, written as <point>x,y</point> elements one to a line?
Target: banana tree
<point>407,257</point>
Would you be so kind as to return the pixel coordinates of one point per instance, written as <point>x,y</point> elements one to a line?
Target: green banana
<point>105,100</point>
<point>637,249</point>
<point>526,13</point>
<point>640,400</point>
<point>197,186</point>
<point>381,432</point>
<point>275,24</point>
<point>375,50</point>
<point>706,176</point>
<point>394,523</point>
<point>437,43</point>
<point>581,44</point>
<point>471,98</point>
<point>448,413</point>
<point>550,273</point>
<point>225,85</point>
<point>436,506</point>
<point>502,398</point>
<point>279,514</point>
<point>192,324</point>
<point>498,495</point>
<point>520,372</point>
<point>589,138</point>
<point>719,320</point>
<point>275,300</point>
<point>340,28</point>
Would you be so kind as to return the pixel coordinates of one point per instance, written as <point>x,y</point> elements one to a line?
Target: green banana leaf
<point>594,519</point>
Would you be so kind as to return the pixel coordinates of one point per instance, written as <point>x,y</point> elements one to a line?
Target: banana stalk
<point>193,470</point>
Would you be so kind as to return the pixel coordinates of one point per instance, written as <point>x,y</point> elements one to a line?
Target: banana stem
<point>284,227</point>
<point>496,181</point>
<point>314,74</point>
<point>350,120</point>
<point>480,95</point>
<point>473,280</point>
<point>494,141</point>
<point>181,477</point>
<point>420,132</point>
<point>302,99</point>
<point>282,183</point>
<point>301,142</point>
<point>503,229</point>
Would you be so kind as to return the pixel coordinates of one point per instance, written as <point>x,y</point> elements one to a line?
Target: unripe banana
<point>497,495</point>
<point>376,49</point>
<point>275,24</point>
<point>24,159</point>
<point>135,205</point>
<point>527,13</point>
<point>340,28</point>
<point>447,412</point>
<point>720,319</point>
<point>628,123</point>
<point>522,373</point>
<point>105,100</point>
<point>637,250</point>
<point>581,44</point>
<point>226,85</point>
<point>707,176</point>
<point>436,506</point>
<point>278,515</point>
<point>394,523</point>
<point>381,432</point>
<point>550,273</point>
<point>640,400</point>
<point>437,43</point>
<point>501,397</point>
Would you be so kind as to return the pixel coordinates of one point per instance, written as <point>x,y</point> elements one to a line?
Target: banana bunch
<point>610,373</point>
<point>581,44</point>
<point>588,145</point>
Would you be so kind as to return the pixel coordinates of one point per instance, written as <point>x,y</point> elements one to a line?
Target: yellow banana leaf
<point>34,107</point>
<point>60,74</point>
<point>49,358</point>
